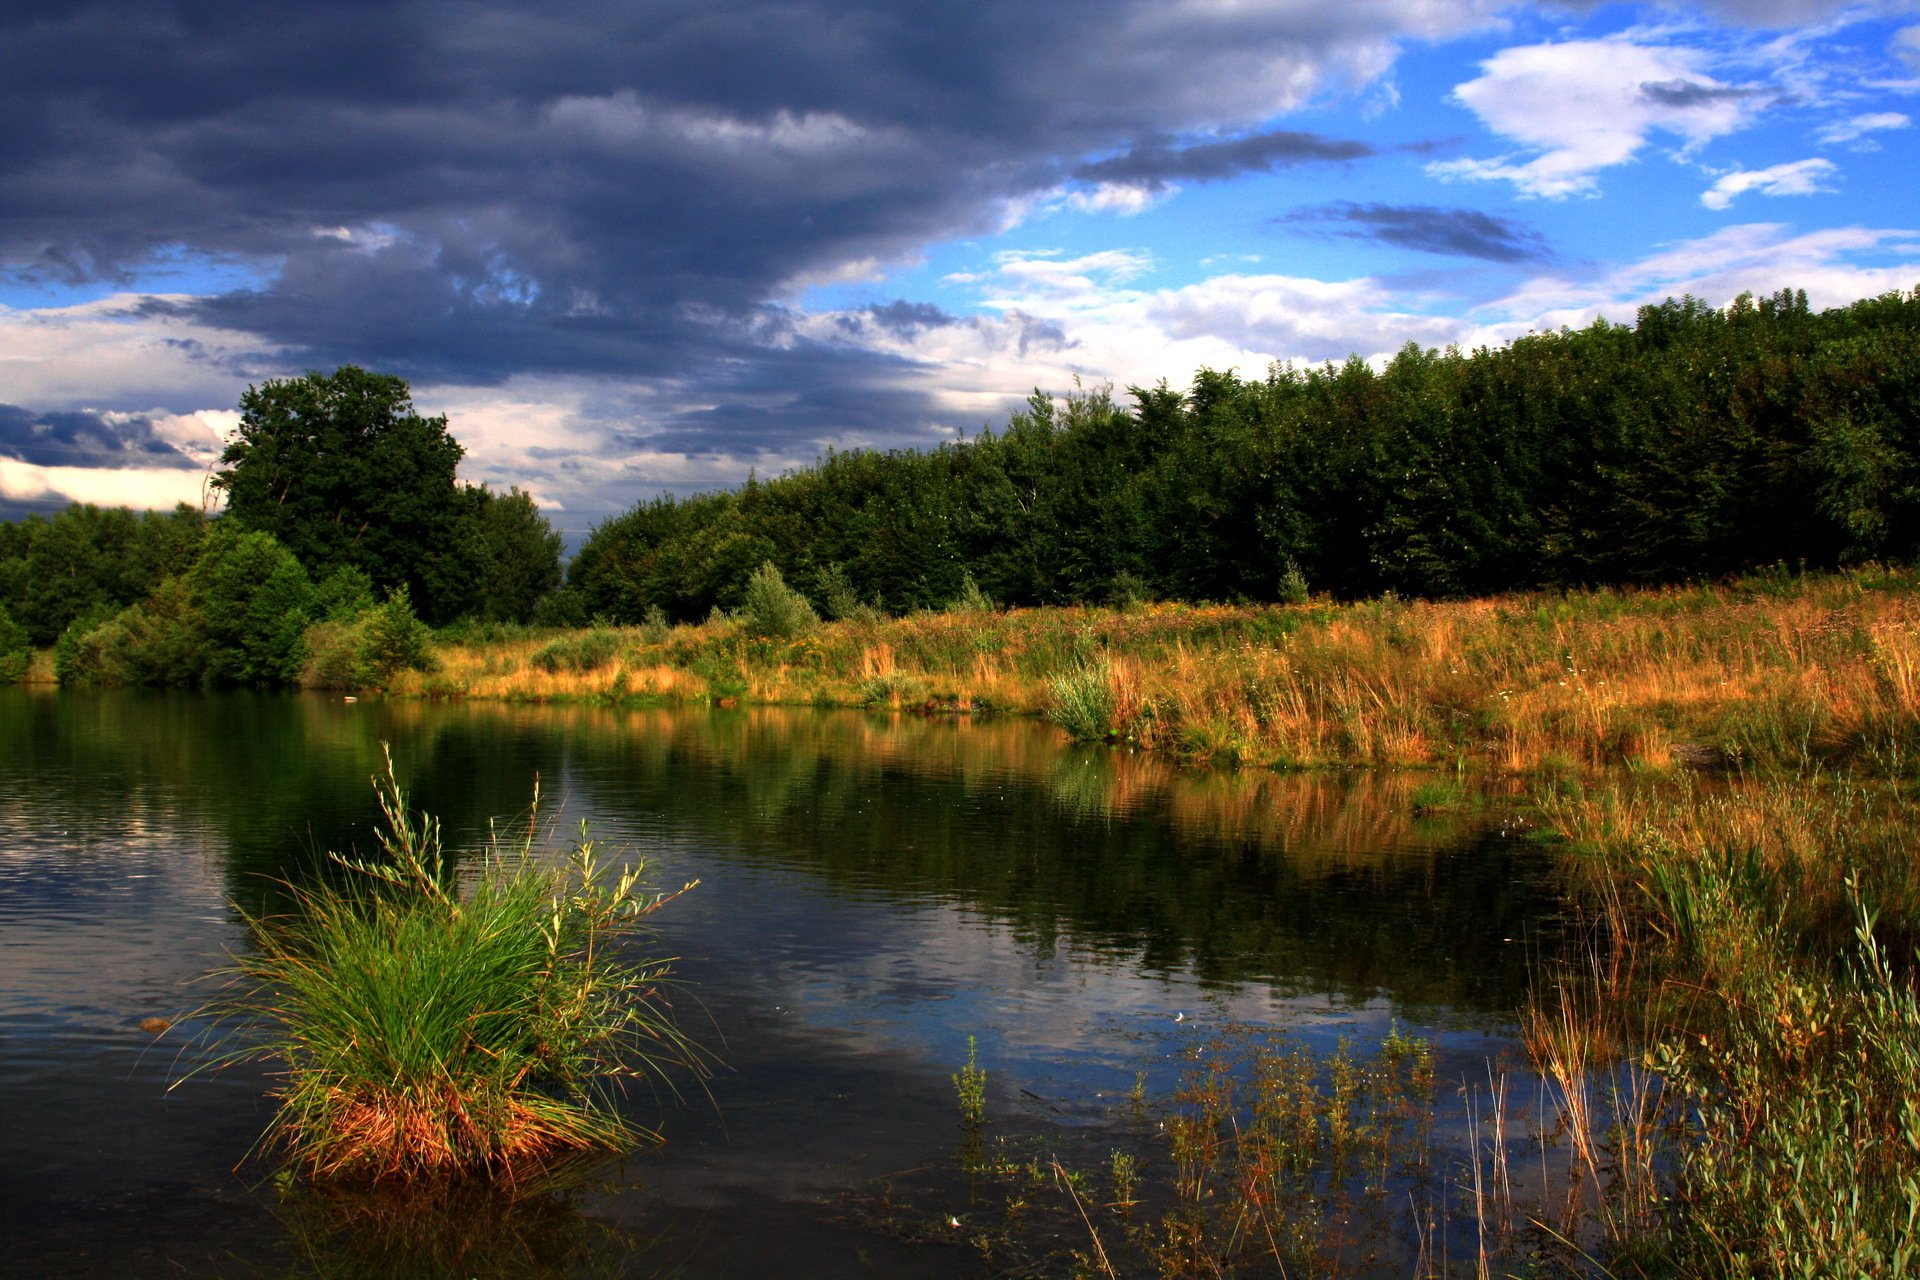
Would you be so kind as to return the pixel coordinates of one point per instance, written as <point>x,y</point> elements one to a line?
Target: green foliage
<point>1695,443</point>
<point>366,650</point>
<point>839,599</point>
<point>431,1025</point>
<point>79,660</point>
<point>16,649</point>
<point>1293,585</point>
<point>971,599</point>
<point>521,556</point>
<point>253,602</point>
<point>343,595</point>
<point>341,470</point>
<point>565,607</point>
<point>586,651</point>
<point>970,1084</point>
<point>1083,702</point>
<point>396,640</point>
<point>772,610</point>
<point>87,559</point>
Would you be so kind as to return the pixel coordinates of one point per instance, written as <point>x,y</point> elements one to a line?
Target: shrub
<point>561,607</point>
<point>254,602</point>
<point>1293,584</point>
<point>842,603</point>
<point>970,599</point>
<point>588,651</point>
<point>431,1025</point>
<point>82,658</point>
<point>772,610</point>
<point>16,650</point>
<point>394,639</point>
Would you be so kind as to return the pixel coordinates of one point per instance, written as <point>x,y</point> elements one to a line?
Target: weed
<point>970,1083</point>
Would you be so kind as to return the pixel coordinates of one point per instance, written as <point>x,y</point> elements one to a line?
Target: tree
<point>342,472</point>
<point>252,602</point>
<point>522,556</point>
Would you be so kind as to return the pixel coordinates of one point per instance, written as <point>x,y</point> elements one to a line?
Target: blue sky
<point>633,249</point>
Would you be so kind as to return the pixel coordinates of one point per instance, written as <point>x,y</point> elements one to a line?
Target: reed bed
<point>1771,671</point>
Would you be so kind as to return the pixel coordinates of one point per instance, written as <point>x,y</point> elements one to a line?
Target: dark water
<point>874,892</point>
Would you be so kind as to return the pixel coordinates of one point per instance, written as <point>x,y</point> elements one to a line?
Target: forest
<point>1694,443</point>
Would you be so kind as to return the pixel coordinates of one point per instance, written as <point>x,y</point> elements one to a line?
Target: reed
<point>428,1024</point>
<point>1769,989</point>
<point>1792,674</point>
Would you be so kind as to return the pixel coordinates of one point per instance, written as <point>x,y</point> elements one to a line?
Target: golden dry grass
<point>1768,672</point>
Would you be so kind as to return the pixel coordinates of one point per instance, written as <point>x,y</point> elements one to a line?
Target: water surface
<point>874,891</point>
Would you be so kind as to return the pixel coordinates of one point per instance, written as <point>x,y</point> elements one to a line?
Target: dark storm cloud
<point>1156,163</point>
<point>82,439</point>
<point>1689,93</point>
<point>467,191</point>
<point>1465,233</point>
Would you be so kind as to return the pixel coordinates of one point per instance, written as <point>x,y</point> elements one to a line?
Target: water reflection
<point>876,889</point>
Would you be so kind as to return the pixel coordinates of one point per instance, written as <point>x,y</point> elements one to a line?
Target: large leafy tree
<point>522,554</point>
<point>343,472</point>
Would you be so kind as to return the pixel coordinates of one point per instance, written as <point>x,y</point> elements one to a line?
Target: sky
<point>630,247</point>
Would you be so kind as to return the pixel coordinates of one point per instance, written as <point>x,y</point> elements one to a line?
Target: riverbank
<point>1771,671</point>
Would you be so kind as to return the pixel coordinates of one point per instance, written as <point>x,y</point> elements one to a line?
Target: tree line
<point>345,532</point>
<point>1693,443</point>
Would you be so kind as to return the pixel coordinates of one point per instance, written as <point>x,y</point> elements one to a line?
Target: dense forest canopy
<point>1694,442</point>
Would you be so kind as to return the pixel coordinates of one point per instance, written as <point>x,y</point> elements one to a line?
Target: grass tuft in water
<point>431,1025</point>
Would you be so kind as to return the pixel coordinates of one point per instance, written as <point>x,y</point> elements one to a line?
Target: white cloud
<point>1796,178</point>
<point>1582,106</point>
<point>123,352</point>
<point>1125,199</point>
<point>1861,125</point>
<point>1906,46</point>
<point>143,488</point>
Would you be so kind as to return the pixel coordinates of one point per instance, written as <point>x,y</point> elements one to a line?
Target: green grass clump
<point>1082,701</point>
<point>434,1025</point>
<point>587,651</point>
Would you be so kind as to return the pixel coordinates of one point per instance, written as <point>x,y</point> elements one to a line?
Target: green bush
<point>254,602</point>
<point>77,660</point>
<point>369,650</point>
<point>772,610</point>
<point>970,598</point>
<point>431,1025</point>
<point>16,650</point>
<point>588,651</point>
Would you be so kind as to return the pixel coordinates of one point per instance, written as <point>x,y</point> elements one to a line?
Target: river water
<point>874,892</point>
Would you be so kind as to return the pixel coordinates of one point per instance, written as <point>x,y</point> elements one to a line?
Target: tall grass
<point>1771,990</point>
<point>1796,674</point>
<point>429,1024</point>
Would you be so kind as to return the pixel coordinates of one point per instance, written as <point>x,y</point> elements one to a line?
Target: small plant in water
<point>431,1025</point>
<point>970,1083</point>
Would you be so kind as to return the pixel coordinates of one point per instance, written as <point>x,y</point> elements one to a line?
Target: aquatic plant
<point>429,1024</point>
<point>970,1084</point>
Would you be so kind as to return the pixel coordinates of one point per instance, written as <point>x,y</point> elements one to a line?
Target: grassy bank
<point>1774,670</point>
<point>1753,962</point>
